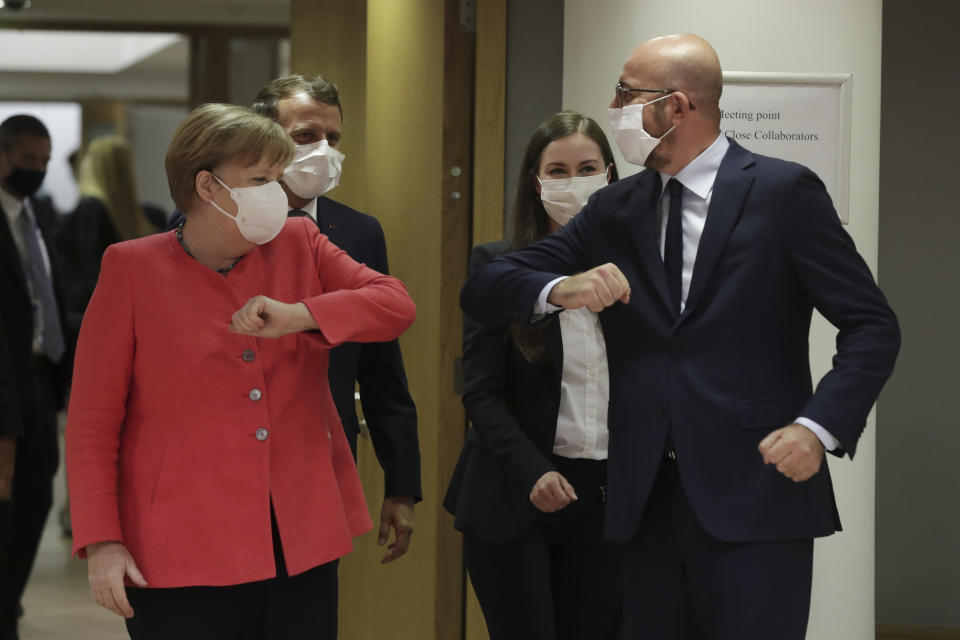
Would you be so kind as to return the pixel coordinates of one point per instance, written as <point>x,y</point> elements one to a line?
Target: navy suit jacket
<point>377,367</point>
<point>512,405</point>
<point>19,415</point>
<point>735,365</point>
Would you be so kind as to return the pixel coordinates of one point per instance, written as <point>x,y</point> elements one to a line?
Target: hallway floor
<point>57,604</point>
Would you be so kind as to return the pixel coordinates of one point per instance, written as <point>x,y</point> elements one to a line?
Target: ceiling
<point>162,76</point>
<point>272,13</point>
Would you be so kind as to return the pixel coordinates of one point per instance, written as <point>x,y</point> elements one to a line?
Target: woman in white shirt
<point>528,489</point>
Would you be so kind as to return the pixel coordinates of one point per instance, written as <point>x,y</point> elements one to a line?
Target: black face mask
<point>25,182</point>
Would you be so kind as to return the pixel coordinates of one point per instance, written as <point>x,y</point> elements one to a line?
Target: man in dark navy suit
<point>308,108</point>
<point>707,268</point>
<point>34,361</point>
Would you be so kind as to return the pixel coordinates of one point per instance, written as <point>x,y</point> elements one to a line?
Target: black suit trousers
<point>560,580</point>
<point>300,607</point>
<point>681,583</point>
<point>23,517</point>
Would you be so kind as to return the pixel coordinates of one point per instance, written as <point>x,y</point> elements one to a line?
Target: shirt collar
<point>699,175</point>
<point>310,208</point>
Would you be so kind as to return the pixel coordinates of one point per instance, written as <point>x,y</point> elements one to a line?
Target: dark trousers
<point>681,583</point>
<point>300,607</point>
<point>559,581</point>
<point>22,518</point>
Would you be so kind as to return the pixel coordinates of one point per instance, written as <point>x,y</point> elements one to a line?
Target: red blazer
<point>180,433</point>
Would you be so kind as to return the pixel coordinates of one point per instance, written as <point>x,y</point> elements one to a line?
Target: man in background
<point>33,362</point>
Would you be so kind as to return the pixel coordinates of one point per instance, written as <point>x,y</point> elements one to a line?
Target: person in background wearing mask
<point>198,469</point>
<point>308,108</point>
<point>707,268</point>
<point>528,489</point>
<point>36,361</point>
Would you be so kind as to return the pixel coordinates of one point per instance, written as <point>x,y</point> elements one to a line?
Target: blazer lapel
<point>9,252</point>
<point>645,225</point>
<point>726,204</point>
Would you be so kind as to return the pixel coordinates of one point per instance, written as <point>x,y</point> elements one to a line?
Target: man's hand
<point>396,513</point>
<point>8,460</point>
<point>107,564</point>
<point>796,450</point>
<point>595,289</point>
<point>265,317</point>
<point>552,492</point>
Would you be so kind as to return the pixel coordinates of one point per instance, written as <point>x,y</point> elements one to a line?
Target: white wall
<point>816,36</point>
<point>150,129</point>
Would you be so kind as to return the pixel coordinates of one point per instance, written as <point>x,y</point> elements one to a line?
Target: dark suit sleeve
<point>505,290</point>
<point>841,287</point>
<point>388,408</point>
<point>11,422</point>
<point>493,425</point>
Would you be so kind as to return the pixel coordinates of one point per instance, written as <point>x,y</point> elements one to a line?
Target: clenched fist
<point>595,289</point>
<point>795,450</point>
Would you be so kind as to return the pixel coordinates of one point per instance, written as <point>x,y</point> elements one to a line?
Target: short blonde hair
<point>213,134</point>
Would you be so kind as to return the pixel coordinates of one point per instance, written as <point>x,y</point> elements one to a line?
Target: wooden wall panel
<point>489,120</point>
<point>416,71</point>
<point>488,143</point>
<point>329,37</point>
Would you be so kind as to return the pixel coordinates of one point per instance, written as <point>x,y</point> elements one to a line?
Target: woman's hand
<point>107,564</point>
<point>264,317</point>
<point>552,492</point>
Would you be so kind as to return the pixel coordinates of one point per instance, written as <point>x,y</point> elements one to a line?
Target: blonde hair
<point>106,173</point>
<point>213,134</point>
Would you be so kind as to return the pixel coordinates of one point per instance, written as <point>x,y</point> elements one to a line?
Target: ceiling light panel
<point>78,51</point>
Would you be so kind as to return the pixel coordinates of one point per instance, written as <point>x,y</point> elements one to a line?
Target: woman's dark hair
<point>530,222</point>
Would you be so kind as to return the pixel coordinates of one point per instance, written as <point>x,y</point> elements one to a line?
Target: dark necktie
<point>673,243</point>
<point>46,321</point>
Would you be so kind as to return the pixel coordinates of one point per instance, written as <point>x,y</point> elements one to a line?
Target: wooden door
<point>406,73</point>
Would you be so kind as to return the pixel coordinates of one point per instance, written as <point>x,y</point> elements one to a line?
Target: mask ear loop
<point>230,191</point>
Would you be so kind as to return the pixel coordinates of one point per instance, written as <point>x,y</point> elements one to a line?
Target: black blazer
<point>734,366</point>
<point>16,314</point>
<point>82,237</point>
<point>377,367</point>
<point>512,406</point>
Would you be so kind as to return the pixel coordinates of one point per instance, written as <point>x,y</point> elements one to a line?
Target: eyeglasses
<point>624,97</point>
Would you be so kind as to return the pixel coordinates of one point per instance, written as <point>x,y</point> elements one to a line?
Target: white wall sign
<point>800,117</point>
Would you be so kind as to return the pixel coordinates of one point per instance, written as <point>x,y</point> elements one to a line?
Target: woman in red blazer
<point>200,471</point>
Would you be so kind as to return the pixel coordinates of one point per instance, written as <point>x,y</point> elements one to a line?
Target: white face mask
<point>633,141</point>
<point>261,210</point>
<point>564,198</point>
<point>315,169</point>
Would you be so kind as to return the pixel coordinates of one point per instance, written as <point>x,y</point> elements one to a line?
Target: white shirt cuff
<point>542,307</point>
<point>829,442</point>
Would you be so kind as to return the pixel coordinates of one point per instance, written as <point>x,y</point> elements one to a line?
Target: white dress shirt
<point>14,209</point>
<point>584,388</point>
<point>697,179</point>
